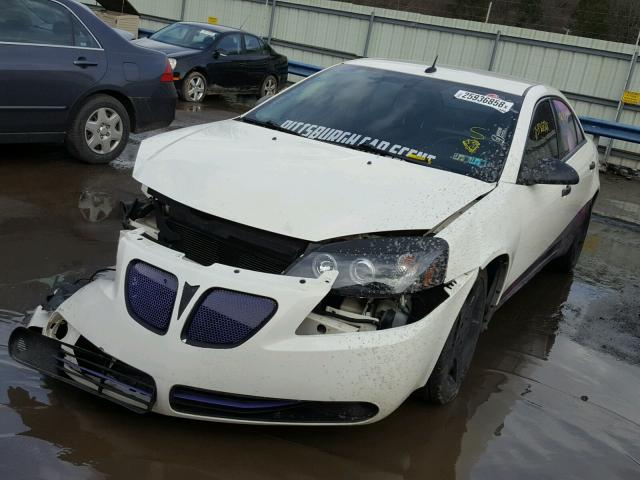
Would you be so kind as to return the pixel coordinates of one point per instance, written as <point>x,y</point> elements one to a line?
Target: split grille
<point>150,295</point>
<point>224,318</point>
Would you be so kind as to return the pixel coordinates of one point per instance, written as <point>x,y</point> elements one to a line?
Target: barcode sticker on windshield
<point>492,101</point>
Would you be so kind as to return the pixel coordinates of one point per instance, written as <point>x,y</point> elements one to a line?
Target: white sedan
<point>327,254</point>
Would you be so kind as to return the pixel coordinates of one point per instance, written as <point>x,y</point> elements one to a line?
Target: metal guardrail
<point>605,128</point>
<point>302,69</point>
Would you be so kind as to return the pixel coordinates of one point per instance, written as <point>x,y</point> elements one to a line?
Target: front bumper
<point>380,368</point>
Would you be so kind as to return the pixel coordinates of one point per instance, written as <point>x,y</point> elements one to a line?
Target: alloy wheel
<point>196,88</point>
<point>270,87</point>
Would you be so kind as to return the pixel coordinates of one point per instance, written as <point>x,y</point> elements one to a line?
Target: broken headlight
<point>378,267</point>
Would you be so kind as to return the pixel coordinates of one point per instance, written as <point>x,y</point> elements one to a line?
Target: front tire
<point>99,131</point>
<point>194,87</point>
<point>454,361</point>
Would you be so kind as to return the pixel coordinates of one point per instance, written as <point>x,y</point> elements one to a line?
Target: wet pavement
<point>554,390</point>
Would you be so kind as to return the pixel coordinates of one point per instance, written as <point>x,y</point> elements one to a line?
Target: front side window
<point>542,141</point>
<point>42,22</point>
<point>186,35</point>
<point>435,123</point>
<point>567,134</point>
<point>231,44</point>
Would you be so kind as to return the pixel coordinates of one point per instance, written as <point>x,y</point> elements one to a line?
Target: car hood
<point>298,187</point>
<point>171,50</point>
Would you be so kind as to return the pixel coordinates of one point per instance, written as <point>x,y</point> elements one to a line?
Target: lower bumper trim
<point>85,367</point>
<point>207,403</point>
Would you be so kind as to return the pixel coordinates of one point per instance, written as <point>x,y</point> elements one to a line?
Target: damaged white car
<point>327,254</point>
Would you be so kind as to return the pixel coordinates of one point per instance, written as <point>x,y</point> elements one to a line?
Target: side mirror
<point>217,54</point>
<point>548,171</point>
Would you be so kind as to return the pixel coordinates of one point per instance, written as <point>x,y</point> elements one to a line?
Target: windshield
<point>185,35</point>
<point>440,124</point>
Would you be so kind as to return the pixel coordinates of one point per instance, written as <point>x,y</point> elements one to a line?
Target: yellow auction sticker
<point>212,20</point>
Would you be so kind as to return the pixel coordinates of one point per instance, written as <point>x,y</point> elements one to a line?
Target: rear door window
<point>542,141</point>
<point>567,134</point>
<point>253,45</point>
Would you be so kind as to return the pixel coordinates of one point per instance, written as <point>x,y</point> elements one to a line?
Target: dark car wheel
<point>194,87</point>
<point>567,261</point>
<point>452,365</point>
<point>99,131</point>
<point>269,86</point>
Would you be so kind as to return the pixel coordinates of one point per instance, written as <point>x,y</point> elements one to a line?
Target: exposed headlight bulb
<point>406,263</point>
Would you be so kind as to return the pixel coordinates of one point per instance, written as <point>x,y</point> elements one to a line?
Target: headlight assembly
<point>378,267</point>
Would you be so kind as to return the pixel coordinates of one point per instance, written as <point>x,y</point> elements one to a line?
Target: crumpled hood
<point>298,187</point>
<point>171,50</point>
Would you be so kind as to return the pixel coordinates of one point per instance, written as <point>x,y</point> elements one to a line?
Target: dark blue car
<point>67,76</point>
<point>214,59</point>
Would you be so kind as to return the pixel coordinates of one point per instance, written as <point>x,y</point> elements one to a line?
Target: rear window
<point>435,123</point>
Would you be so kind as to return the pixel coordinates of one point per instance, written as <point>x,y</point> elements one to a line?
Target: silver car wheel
<point>270,86</point>
<point>196,88</point>
<point>103,131</point>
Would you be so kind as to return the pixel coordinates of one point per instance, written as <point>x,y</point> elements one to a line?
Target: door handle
<point>566,190</point>
<point>84,63</point>
<point>592,165</point>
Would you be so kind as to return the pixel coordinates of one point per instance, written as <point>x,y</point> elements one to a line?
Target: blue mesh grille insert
<point>226,318</point>
<point>150,295</point>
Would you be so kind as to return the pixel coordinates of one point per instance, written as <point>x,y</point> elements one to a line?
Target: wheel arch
<point>121,97</point>
<point>496,270</point>
<point>201,70</point>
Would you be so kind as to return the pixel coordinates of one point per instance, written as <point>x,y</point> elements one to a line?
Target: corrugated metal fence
<point>593,73</point>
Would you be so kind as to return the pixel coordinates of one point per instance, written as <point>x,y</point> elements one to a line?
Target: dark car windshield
<point>440,124</point>
<point>185,35</point>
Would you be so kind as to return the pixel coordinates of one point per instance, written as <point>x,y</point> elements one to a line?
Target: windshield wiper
<point>267,124</point>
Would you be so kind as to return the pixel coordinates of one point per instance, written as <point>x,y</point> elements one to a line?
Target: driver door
<point>225,69</point>
<point>544,211</point>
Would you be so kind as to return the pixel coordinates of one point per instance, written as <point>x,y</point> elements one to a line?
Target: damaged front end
<point>210,319</point>
<point>385,280</point>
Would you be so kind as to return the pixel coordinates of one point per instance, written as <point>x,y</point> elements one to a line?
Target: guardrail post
<point>627,84</point>
<point>271,20</point>
<point>495,50</point>
<point>372,19</point>
<point>182,8</point>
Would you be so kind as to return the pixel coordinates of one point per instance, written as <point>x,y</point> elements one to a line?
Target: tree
<point>591,19</point>
<point>468,10</point>
<point>529,14</point>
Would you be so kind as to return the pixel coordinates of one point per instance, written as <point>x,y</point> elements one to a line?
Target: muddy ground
<point>554,390</point>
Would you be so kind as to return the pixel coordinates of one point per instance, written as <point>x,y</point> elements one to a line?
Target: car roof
<point>504,83</point>
<point>214,28</point>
